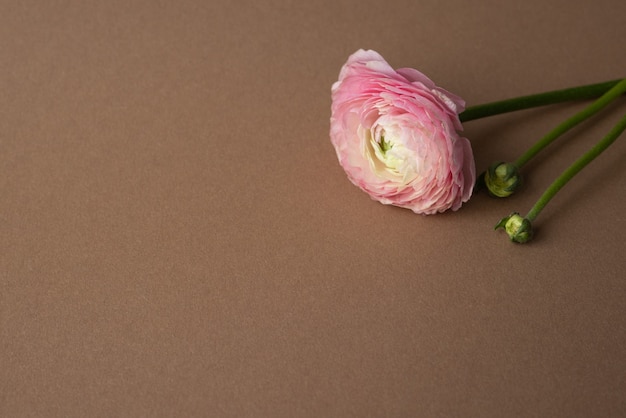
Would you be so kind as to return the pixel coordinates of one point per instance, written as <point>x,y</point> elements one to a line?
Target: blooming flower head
<point>395,134</point>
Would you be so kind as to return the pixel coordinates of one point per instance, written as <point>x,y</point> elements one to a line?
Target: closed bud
<point>502,179</point>
<point>518,229</point>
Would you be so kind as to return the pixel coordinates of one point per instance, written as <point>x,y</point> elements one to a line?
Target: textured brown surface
<point>178,239</point>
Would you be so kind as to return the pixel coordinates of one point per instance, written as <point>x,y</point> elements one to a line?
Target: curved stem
<point>617,90</point>
<point>590,91</point>
<point>578,165</point>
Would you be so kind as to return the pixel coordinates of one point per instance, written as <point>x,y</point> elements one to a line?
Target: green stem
<point>617,90</point>
<point>572,170</point>
<point>590,91</point>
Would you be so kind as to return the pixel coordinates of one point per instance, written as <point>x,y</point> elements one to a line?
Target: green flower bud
<point>502,179</point>
<point>519,229</point>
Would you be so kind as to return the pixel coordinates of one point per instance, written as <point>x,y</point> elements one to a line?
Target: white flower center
<point>389,155</point>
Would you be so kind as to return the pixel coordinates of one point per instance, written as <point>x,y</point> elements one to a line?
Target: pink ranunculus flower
<point>395,134</point>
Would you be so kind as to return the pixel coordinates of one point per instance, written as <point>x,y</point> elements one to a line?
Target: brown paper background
<point>178,239</point>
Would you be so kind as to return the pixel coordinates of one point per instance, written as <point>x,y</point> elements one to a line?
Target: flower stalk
<point>519,228</point>
<point>576,167</point>
<point>613,93</point>
<point>586,92</point>
<point>502,179</point>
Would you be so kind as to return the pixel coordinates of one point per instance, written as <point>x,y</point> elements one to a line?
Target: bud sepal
<point>518,229</point>
<point>502,179</point>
